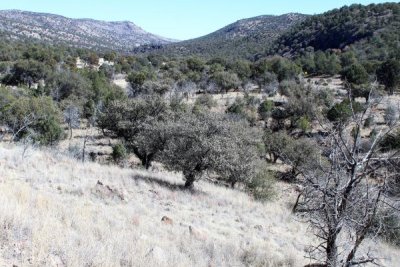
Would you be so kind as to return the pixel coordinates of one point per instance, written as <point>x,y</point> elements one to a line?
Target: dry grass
<point>59,212</point>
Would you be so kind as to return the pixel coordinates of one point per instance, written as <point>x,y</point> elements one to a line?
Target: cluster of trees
<point>48,90</point>
<point>195,75</point>
<point>192,141</point>
<point>339,28</point>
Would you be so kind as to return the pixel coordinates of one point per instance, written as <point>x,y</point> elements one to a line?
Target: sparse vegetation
<point>304,120</point>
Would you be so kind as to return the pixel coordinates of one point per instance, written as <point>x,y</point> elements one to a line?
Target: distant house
<point>80,64</point>
<point>102,62</point>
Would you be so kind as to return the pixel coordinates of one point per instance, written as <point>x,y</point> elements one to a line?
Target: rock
<point>298,188</point>
<point>107,192</point>
<point>167,220</point>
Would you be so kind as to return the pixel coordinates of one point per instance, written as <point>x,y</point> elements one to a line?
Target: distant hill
<point>244,38</point>
<point>84,33</point>
<point>373,31</point>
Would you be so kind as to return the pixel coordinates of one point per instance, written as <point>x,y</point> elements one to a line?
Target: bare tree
<point>341,198</point>
<point>72,118</point>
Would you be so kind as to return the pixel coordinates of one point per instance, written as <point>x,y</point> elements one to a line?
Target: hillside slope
<point>59,212</point>
<point>373,29</point>
<point>244,38</point>
<point>84,33</point>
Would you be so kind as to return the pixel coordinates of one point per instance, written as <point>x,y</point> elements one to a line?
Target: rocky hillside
<point>57,211</point>
<point>244,38</point>
<point>85,33</point>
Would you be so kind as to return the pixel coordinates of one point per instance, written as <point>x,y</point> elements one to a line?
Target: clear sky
<point>178,19</point>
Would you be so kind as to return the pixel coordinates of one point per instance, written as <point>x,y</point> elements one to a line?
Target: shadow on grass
<point>166,184</point>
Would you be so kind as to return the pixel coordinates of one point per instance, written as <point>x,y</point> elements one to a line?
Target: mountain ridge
<point>245,37</point>
<point>85,32</point>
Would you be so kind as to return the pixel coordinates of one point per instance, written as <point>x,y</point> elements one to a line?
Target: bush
<point>341,112</point>
<point>226,80</point>
<point>205,100</point>
<point>304,124</point>
<point>245,108</point>
<point>391,115</point>
<point>355,74</point>
<point>119,153</point>
<point>265,109</point>
<point>262,186</point>
<point>37,118</point>
<point>288,86</point>
<point>391,142</point>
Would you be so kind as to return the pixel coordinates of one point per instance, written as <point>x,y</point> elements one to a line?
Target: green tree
<point>136,122</point>
<point>136,80</point>
<point>226,80</point>
<point>26,72</point>
<point>389,74</point>
<point>210,142</point>
<point>37,118</point>
<point>343,111</point>
<point>355,74</point>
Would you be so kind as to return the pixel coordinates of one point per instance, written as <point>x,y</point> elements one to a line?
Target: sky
<point>177,19</point>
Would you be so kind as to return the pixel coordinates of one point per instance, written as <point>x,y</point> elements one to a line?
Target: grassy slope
<point>54,213</point>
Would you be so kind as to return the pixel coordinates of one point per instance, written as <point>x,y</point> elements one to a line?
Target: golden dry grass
<point>56,211</point>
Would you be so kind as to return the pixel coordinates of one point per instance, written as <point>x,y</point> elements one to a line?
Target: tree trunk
<point>331,250</point>
<point>190,178</point>
<point>70,132</point>
<point>146,160</point>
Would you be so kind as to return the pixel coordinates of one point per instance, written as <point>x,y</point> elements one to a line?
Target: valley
<point>273,141</point>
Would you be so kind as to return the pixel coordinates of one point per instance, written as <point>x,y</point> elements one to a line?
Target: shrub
<point>355,74</point>
<point>391,115</point>
<point>265,109</point>
<point>35,117</point>
<point>342,111</point>
<point>304,124</point>
<point>262,186</point>
<point>245,108</point>
<point>205,100</point>
<point>226,80</point>
<point>119,153</point>
<point>391,142</point>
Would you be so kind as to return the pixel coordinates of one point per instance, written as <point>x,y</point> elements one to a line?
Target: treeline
<point>39,71</point>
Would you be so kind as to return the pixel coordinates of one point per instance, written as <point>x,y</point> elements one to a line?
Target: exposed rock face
<point>88,33</point>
